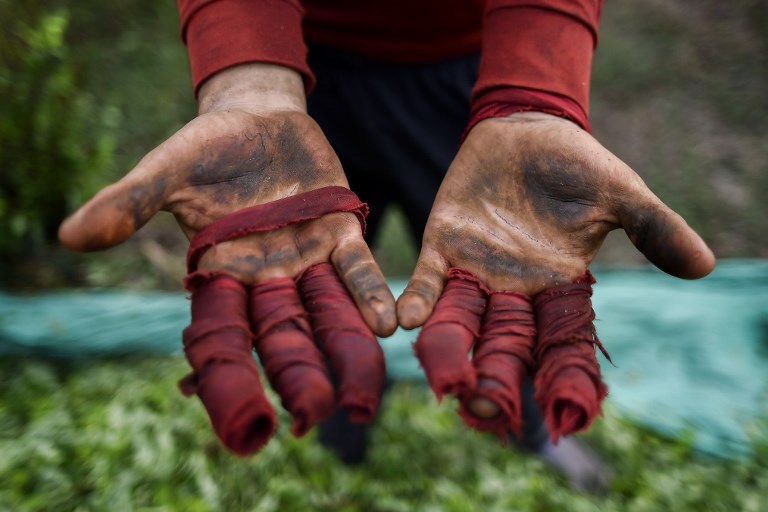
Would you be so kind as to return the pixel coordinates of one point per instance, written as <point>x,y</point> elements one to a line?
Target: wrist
<point>254,87</point>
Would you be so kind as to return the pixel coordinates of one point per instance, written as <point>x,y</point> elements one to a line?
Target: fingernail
<point>483,408</point>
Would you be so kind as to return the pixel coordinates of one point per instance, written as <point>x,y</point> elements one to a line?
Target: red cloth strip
<point>225,376</point>
<point>293,364</point>
<point>503,358</point>
<point>569,387</point>
<point>349,344</point>
<point>444,343</point>
<point>274,215</point>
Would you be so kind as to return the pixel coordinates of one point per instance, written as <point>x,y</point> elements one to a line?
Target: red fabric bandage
<point>224,374</point>
<point>503,358</point>
<point>569,387</point>
<point>228,318</point>
<point>352,349</point>
<point>551,335</point>
<point>293,364</point>
<point>502,354</point>
<point>275,215</point>
<point>445,341</point>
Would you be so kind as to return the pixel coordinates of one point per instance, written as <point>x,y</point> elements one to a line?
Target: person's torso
<point>396,30</point>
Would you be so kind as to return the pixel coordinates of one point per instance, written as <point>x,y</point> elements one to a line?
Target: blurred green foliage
<point>86,91</point>
<point>54,138</point>
<point>117,435</point>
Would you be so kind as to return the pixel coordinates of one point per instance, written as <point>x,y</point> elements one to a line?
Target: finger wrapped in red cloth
<point>351,347</point>
<point>502,355</point>
<point>503,358</point>
<point>444,343</point>
<point>225,376</point>
<point>293,364</point>
<point>569,387</point>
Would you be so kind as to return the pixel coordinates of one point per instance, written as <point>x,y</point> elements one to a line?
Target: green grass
<point>118,436</point>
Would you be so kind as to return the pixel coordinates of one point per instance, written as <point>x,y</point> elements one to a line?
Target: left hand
<point>526,205</point>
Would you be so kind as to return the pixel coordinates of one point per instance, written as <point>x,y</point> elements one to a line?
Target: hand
<point>252,144</point>
<point>525,206</point>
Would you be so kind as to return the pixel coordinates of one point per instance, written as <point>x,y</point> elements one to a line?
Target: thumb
<point>120,209</point>
<point>665,238</point>
<point>417,301</point>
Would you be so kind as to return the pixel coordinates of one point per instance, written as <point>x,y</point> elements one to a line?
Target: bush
<point>88,88</point>
<point>54,138</point>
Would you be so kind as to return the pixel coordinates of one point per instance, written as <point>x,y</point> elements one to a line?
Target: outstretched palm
<point>222,162</point>
<point>526,206</point>
<point>275,291</point>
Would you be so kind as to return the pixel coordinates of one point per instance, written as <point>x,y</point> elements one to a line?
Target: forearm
<point>253,87</point>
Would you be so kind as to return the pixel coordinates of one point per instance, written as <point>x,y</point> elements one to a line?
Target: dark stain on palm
<point>252,264</point>
<point>485,186</point>
<point>493,259</point>
<point>283,256</point>
<point>146,199</point>
<point>308,245</point>
<point>560,187</point>
<point>251,162</point>
<point>244,266</point>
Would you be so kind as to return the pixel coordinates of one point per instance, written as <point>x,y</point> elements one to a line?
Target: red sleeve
<point>536,55</point>
<point>223,33</point>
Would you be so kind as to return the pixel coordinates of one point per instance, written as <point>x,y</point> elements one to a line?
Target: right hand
<point>253,143</point>
<point>249,146</point>
<point>524,208</point>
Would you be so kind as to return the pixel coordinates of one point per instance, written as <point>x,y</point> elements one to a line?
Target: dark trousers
<point>396,128</point>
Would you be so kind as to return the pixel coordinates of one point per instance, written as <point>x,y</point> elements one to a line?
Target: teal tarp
<point>691,356</point>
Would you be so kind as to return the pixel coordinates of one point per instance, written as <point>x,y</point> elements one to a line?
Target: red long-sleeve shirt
<point>535,55</point>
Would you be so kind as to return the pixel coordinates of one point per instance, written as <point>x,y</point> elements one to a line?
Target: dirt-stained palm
<point>222,162</point>
<point>526,205</point>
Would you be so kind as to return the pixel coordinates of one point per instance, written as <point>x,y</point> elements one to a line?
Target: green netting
<point>691,356</point>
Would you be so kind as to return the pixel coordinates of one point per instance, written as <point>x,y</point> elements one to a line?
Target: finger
<point>366,284</point>
<point>665,238</point>
<point>351,347</point>
<point>444,343</point>
<point>569,387</point>
<point>218,347</point>
<point>293,364</point>
<point>418,299</point>
<point>503,358</point>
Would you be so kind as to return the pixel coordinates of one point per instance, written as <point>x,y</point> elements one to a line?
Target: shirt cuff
<point>503,102</point>
<point>223,33</point>
<point>536,56</point>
